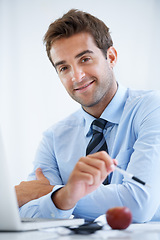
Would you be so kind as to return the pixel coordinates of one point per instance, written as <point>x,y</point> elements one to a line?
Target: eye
<point>86,59</point>
<point>62,69</point>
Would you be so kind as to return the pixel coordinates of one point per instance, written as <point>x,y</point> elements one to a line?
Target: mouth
<point>84,87</point>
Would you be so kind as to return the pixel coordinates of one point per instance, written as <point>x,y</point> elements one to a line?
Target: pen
<point>129,175</point>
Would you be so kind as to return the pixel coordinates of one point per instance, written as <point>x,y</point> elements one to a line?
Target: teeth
<point>84,86</point>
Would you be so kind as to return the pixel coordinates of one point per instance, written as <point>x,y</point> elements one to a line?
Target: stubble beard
<point>99,95</point>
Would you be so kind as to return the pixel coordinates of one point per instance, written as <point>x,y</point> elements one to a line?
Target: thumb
<point>40,175</point>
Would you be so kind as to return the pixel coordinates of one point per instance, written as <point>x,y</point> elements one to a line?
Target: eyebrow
<point>77,56</point>
<point>59,63</point>
<point>82,53</point>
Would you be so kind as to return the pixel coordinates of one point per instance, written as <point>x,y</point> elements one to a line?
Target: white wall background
<point>31,95</point>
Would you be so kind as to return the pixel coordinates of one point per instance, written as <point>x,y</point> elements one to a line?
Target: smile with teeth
<point>85,86</point>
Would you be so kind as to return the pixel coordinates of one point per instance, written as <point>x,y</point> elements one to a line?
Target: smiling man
<point>85,71</point>
<point>73,170</point>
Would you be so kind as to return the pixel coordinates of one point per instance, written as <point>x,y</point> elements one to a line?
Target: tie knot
<point>98,125</point>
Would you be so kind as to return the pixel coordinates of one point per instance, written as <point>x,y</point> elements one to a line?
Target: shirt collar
<point>113,111</point>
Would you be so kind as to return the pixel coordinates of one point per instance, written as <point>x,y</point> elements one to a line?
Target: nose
<point>77,74</point>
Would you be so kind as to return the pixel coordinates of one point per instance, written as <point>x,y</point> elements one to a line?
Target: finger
<point>40,175</point>
<point>91,173</point>
<point>100,161</point>
<point>101,155</point>
<point>104,156</point>
<point>85,177</point>
<point>94,162</point>
<point>115,161</point>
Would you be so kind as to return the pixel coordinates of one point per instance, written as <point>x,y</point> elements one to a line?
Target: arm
<point>34,200</point>
<point>87,176</point>
<point>43,206</point>
<point>142,159</point>
<point>30,190</point>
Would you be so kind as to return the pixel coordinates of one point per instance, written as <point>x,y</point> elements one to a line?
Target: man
<point>67,179</point>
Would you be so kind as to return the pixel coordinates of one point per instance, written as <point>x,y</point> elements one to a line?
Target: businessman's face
<point>84,70</point>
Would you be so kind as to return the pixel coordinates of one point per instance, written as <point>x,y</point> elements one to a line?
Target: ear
<point>112,56</point>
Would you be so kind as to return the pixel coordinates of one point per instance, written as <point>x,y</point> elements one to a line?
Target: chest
<point>69,149</point>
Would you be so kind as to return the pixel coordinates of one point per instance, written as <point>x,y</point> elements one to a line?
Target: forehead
<point>65,48</point>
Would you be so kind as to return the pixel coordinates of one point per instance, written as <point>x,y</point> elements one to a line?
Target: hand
<point>30,190</point>
<point>88,174</point>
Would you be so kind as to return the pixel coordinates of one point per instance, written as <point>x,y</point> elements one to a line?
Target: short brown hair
<point>75,21</point>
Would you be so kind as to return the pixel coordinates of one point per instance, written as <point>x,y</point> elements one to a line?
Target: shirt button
<point>52,215</point>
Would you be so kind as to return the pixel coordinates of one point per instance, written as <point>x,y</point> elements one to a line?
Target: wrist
<point>62,199</point>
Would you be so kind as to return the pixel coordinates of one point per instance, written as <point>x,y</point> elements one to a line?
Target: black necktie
<point>97,142</point>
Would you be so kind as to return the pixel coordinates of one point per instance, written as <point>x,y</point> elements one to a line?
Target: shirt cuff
<point>48,209</point>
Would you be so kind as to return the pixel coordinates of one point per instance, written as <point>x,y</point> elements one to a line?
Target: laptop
<point>9,213</point>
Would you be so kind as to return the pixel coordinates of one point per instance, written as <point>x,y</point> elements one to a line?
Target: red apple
<point>119,217</point>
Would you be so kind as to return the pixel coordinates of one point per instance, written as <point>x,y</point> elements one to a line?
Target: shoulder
<point>73,120</point>
<point>142,106</point>
<point>143,99</point>
<point>69,123</point>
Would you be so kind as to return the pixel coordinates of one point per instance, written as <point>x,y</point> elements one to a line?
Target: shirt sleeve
<point>46,160</point>
<point>44,208</point>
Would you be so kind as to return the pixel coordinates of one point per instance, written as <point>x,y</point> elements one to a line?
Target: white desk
<point>148,231</point>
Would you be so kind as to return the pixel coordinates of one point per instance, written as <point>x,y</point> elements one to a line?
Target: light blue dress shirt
<point>133,138</point>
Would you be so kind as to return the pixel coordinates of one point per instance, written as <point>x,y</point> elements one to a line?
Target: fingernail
<point>39,169</point>
<point>112,166</point>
